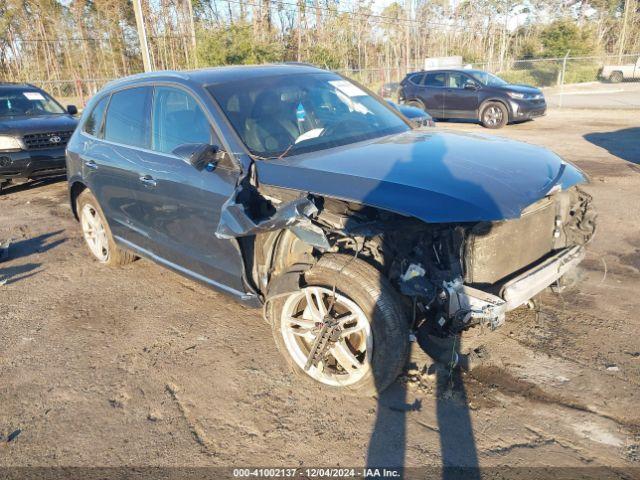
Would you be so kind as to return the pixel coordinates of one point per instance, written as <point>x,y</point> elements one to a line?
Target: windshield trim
<point>223,116</point>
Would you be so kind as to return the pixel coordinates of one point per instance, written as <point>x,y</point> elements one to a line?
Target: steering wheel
<point>343,124</point>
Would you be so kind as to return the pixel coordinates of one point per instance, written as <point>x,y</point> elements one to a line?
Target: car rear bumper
<point>32,164</point>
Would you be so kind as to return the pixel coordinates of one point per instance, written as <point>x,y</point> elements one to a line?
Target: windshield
<point>27,102</point>
<point>283,115</point>
<point>488,79</point>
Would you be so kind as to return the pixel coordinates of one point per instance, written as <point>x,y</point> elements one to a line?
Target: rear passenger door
<point>112,156</point>
<point>432,93</point>
<point>181,205</point>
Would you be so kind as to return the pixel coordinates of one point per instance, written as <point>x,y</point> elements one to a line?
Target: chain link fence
<point>555,75</point>
<point>552,74</point>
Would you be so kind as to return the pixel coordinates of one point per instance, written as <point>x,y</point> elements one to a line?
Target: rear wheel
<point>97,234</point>
<point>616,77</point>
<point>369,334</point>
<point>494,115</point>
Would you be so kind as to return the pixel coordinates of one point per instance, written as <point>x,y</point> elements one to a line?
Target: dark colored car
<point>389,90</point>
<point>34,130</point>
<point>417,116</point>
<point>296,190</point>
<point>471,94</point>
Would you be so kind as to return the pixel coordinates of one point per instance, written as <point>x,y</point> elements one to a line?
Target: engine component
<point>464,306</point>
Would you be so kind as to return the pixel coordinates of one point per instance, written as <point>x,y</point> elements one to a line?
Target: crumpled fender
<point>236,219</point>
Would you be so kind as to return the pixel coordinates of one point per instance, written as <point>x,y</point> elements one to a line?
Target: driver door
<point>181,205</point>
<point>461,96</point>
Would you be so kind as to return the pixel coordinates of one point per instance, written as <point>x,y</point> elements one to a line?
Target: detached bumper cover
<point>478,306</point>
<point>32,164</point>
<point>530,283</point>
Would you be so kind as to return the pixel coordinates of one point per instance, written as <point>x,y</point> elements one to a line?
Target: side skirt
<point>249,299</point>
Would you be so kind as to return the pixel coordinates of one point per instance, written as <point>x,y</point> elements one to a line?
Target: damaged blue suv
<point>296,190</point>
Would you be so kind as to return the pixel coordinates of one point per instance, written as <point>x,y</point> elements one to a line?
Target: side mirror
<point>470,86</point>
<point>72,110</point>
<point>200,155</point>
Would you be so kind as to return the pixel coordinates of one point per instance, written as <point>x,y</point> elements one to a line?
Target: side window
<point>434,80</point>
<point>416,79</point>
<point>93,124</point>
<point>458,80</point>
<point>127,119</point>
<point>177,120</point>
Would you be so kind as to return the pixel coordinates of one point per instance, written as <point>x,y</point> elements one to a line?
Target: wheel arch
<point>273,253</point>
<point>613,76</point>
<point>75,189</point>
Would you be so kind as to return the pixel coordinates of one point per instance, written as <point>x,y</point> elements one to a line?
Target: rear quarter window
<point>128,117</point>
<point>93,124</point>
<point>416,78</point>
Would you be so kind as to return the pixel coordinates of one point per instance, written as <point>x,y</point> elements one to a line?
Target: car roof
<point>213,75</point>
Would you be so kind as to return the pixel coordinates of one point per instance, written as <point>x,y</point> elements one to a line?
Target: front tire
<point>97,234</point>
<point>374,337</point>
<point>416,104</point>
<point>494,115</point>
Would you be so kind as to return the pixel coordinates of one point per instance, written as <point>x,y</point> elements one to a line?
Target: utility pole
<point>505,27</point>
<point>192,28</point>
<point>142,35</point>
<point>623,33</point>
<point>192,24</point>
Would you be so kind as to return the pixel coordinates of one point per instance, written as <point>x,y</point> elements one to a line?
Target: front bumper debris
<point>527,285</point>
<point>469,306</point>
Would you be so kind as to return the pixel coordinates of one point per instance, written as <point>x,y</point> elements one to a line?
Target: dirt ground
<point>139,366</point>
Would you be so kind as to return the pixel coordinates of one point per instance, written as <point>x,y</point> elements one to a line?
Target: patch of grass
<point>542,74</point>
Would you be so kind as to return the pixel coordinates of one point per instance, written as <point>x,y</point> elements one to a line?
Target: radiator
<point>496,250</point>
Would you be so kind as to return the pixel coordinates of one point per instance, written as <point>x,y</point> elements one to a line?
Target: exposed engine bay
<point>452,276</point>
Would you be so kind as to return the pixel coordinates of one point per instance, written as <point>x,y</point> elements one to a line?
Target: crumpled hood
<point>436,176</point>
<point>24,124</point>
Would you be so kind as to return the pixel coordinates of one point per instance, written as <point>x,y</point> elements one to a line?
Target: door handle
<point>91,164</point>
<point>148,180</point>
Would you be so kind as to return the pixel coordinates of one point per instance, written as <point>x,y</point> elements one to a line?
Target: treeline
<point>96,39</point>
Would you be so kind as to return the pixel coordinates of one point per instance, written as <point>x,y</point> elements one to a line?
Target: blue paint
<point>436,176</point>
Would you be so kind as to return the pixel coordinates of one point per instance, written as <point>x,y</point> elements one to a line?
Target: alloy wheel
<point>94,232</point>
<point>346,359</point>
<point>493,116</point>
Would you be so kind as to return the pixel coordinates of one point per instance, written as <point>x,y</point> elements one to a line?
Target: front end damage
<point>452,276</point>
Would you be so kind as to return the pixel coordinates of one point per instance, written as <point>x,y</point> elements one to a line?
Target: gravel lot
<point>139,366</point>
